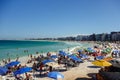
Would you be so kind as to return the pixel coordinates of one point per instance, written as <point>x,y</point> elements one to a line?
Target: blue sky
<point>21,19</point>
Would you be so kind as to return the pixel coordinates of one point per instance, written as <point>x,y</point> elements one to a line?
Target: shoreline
<point>83,71</point>
<point>15,51</point>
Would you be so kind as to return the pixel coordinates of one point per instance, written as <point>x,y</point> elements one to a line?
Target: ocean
<point>18,48</point>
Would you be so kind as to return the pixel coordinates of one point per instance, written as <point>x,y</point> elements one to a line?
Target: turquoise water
<point>15,48</point>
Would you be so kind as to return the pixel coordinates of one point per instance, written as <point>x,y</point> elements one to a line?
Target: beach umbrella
<point>53,56</point>
<point>108,59</point>
<point>75,58</point>
<point>3,70</point>
<point>63,53</point>
<point>108,49</point>
<point>55,75</point>
<point>101,63</point>
<point>47,60</point>
<point>80,51</point>
<point>99,57</point>
<point>83,56</point>
<point>13,63</point>
<point>23,70</point>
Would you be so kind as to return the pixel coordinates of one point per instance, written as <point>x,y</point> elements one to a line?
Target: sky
<point>21,19</point>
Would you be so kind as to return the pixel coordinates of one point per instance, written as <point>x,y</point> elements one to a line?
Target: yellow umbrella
<point>101,63</point>
<point>53,64</point>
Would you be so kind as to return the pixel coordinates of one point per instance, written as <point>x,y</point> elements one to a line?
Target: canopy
<point>23,70</point>
<point>75,58</point>
<point>108,59</point>
<point>99,57</point>
<point>3,70</point>
<point>55,75</point>
<point>13,63</point>
<point>63,53</point>
<point>53,56</point>
<point>101,63</point>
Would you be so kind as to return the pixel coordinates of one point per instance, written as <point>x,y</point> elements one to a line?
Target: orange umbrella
<point>108,59</point>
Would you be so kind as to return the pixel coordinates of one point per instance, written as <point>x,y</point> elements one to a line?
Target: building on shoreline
<point>113,36</point>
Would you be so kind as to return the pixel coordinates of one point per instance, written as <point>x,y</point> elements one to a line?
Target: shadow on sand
<point>93,67</point>
<point>40,76</point>
<point>91,74</point>
<point>83,78</point>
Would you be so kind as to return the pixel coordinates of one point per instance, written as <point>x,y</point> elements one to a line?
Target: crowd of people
<point>65,59</point>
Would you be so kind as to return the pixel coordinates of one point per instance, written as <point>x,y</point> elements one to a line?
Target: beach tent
<point>13,63</point>
<point>101,63</point>
<point>3,70</point>
<point>55,75</point>
<point>23,70</point>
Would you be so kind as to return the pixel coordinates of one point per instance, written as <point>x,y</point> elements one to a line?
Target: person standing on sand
<point>41,68</point>
<point>50,69</point>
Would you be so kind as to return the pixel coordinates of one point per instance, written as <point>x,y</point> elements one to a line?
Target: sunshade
<point>55,75</point>
<point>99,57</point>
<point>75,58</point>
<point>53,56</point>
<point>63,53</point>
<point>101,63</point>
<point>23,70</point>
<point>3,70</point>
<point>108,59</point>
<point>13,63</point>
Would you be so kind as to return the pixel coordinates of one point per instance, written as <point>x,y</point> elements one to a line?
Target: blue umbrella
<point>62,53</point>
<point>46,61</point>
<point>75,58</point>
<point>55,75</point>
<point>99,57</point>
<point>79,51</point>
<point>53,56</point>
<point>13,63</point>
<point>83,55</point>
<point>23,70</point>
<point>3,70</point>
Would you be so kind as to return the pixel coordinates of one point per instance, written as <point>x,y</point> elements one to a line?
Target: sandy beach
<point>84,71</point>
